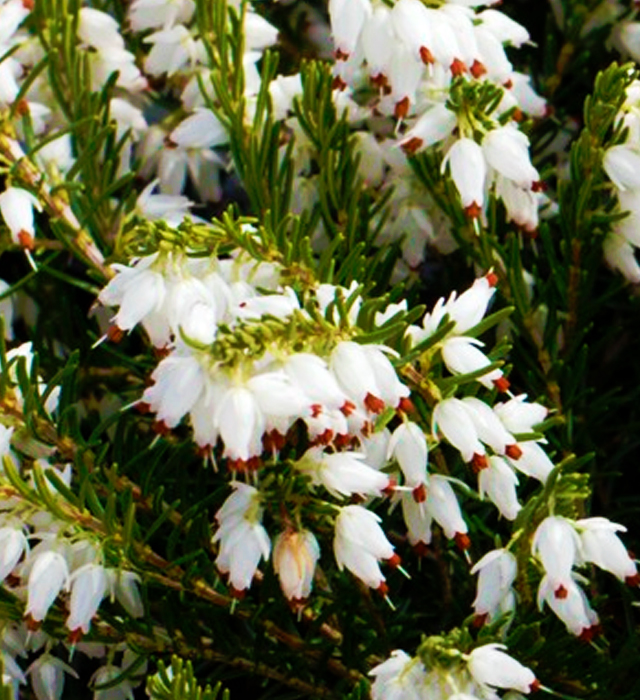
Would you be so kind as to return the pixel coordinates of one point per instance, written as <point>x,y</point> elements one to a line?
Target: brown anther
<point>169,143</point>
<point>380,81</point>
<point>75,636</point>
<point>143,407</point>
<point>419,493</point>
<point>390,487</point>
<point>492,279</point>
<point>28,4</point>
<point>479,620</point>
<point>478,463</point>
<point>514,451</point>
<point>343,440</point>
<point>115,334</point>
<point>517,115</point>
<point>161,353</point>
<point>273,441</point>
<point>316,410</point>
<point>341,55</point>
<point>426,56</point>
<point>25,239</point>
<point>394,561</point>
<point>589,633</point>
<point>473,211</point>
<point>31,624</point>
<point>458,67</point>
<point>203,451</point>
<point>383,589</point>
<point>462,540</point>
<point>421,549</point>
<point>405,405</point>
<point>338,84</point>
<point>325,437</point>
<point>411,146</point>
<point>535,686</point>
<point>161,428</point>
<point>507,84</point>
<point>22,107</point>
<point>539,186</point>
<point>347,408</point>
<point>502,384</point>
<point>237,594</point>
<point>633,580</point>
<point>12,581</point>
<point>561,592</point>
<point>373,404</point>
<point>402,108</point>
<point>478,69</point>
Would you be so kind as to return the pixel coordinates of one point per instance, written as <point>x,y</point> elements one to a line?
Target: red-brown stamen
<point>513,451</point>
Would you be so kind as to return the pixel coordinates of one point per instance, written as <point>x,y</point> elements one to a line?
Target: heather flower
<point>295,554</point>
<point>359,545</point>
<point>243,540</point>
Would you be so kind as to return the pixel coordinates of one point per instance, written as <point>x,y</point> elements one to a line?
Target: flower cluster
<point>44,562</point>
<point>470,676</point>
<point>622,165</point>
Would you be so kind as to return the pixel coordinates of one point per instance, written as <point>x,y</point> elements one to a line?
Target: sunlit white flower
<point>408,446</point>
<point>498,482</point>
<point>16,207</point>
<point>400,677</point>
<point>89,585</point>
<point>342,473</point>
<point>557,545</point>
<point>359,545</point>
<point>491,666</point>
<point>48,576</point>
<point>496,573</point>
<point>243,539</point>
<point>601,546</point>
<point>295,554</point>
<point>572,607</point>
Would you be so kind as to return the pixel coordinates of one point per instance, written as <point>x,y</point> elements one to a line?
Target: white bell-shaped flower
<point>491,666</point>
<point>177,384</point>
<point>442,505</point>
<point>12,545</point>
<point>89,585</point>
<point>601,546</point>
<point>408,446</point>
<point>241,423</point>
<point>490,429</point>
<point>557,545</point>
<point>295,555</point>
<point>359,544</point>
<point>496,573</point>
<point>519,415</point>
<point>451,419</point>
<point>572,607</point>
<point>48,576</point>
<point>468,170</point>
<point>532,461</point>
<point>342,473</point>
<point>498,482</point>
<point>16,207</point>
<point>506,149</point>
<point>400,677</point>
<point>622,165</point>
<point>243,539</point>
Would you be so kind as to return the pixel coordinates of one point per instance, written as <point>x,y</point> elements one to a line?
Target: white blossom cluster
<point>622,165</point>
<point>397,68</point>
<point>559,544</point>
<point>171,152</point>
<point>44,563</point>
<point>244,410</point>
<point>474,676</point>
